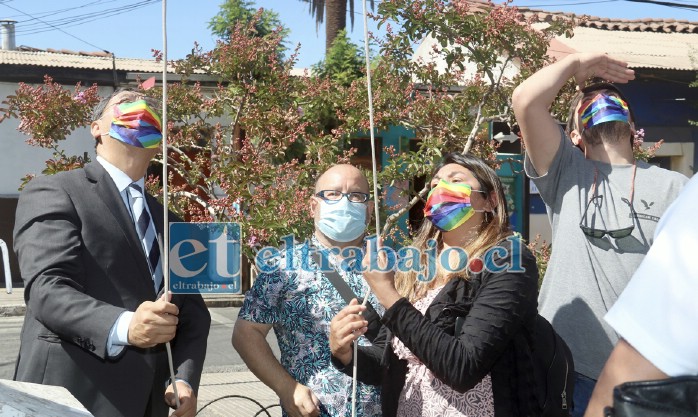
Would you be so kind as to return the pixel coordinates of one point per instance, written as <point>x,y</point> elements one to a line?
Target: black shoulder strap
<point>335,279</point>
<point>347,294</point>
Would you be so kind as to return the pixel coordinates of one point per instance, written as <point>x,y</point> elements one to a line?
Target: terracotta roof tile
<point>627,25</point>
<point>643,43</point>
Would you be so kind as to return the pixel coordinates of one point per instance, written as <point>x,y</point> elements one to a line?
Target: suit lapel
<point>107,191</point>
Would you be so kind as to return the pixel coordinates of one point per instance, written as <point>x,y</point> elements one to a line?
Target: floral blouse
<point>424,395</point>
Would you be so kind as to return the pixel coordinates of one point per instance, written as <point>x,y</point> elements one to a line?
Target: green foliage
<point>244,12</point>
<point>485,51</point>
<point>317,10</point>
<point>343,63</point>
<point>266,152</point>
<point>250,149</point>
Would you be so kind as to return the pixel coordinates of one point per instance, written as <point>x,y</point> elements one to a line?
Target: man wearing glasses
<point>299,302</point>
<point>602,203</point>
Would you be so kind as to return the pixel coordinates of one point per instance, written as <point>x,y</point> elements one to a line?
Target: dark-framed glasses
<point>599,233</point>
<point>333,196</point>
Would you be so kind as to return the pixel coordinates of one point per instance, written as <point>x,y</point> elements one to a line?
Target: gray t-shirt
<point>586,275</point>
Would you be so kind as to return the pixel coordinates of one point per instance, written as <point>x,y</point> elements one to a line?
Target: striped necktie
<point>146,233</point>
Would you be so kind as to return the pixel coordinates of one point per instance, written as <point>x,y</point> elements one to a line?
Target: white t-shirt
<point>657,313</point>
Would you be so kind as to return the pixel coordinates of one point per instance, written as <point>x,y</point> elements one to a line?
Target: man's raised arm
<point>533,97</point>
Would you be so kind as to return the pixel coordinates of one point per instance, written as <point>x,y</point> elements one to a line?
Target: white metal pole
<point>166,221</point>
<point>6,263</point>
<point>375,188</point>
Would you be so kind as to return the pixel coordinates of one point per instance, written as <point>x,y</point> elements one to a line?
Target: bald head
<point>342,177</point>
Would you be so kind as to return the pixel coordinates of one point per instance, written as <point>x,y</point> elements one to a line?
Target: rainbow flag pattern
<point>604,108</point>
<point>136,124</point>
<point>448,205</point>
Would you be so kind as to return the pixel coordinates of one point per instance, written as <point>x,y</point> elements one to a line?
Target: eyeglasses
<point>599,233</point>
<point>333,196</point>
<point>618,233</point>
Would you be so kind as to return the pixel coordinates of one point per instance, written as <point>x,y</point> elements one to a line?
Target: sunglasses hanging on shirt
<point>598,200</point>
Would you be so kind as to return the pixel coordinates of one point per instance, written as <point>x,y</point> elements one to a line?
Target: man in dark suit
<point>94,323</point>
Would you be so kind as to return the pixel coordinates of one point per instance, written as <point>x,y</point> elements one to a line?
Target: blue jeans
<point>583,387</point>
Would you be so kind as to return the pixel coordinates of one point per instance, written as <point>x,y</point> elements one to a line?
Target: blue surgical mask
<point>342,221</point>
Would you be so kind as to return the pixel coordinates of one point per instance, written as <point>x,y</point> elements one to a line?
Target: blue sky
<point>131,28</point>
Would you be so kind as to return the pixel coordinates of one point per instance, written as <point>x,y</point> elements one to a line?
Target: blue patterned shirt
<point>300,304</point>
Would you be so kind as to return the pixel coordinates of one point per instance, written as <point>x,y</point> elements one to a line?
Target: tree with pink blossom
<point>249,149</point>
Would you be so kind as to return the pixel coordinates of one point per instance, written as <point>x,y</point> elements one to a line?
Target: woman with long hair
<point>455,341</point>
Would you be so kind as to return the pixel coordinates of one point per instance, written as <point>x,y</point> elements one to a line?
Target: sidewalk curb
<point>217,301</point>
<point>12,310</point>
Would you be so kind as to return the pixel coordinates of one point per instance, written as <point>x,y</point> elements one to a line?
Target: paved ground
<point>230,391</point>
<point>236,394</point>
<point>12,304</point>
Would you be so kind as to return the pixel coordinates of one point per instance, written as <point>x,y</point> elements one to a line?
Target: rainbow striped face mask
<point>136,124</point>
<point>603,108</point>
<point>448,205</point>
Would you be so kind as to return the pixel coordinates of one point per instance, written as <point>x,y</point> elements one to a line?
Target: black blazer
<point>498,311</point>
<point>83,265</point>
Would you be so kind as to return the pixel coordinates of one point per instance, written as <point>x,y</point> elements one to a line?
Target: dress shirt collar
<point>119,177</point>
